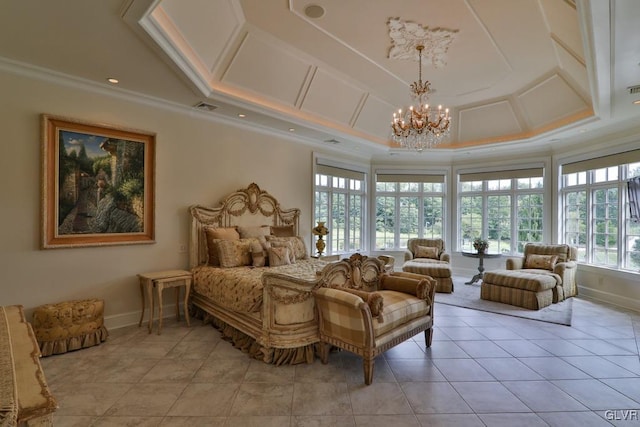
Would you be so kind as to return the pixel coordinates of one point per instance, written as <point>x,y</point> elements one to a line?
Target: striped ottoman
<point>68,326</point>
<point>439,270</point>
<point>528,290</point>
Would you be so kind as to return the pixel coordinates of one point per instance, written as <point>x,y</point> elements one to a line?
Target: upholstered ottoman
<point>439,270</point>
<point>532,291</point>
<point>70,325</point>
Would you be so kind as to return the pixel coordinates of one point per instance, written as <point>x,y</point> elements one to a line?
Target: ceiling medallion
<point>419,127</point>
<point>407,36</point>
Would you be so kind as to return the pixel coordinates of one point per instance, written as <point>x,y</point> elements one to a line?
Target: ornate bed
<point>266,311</point>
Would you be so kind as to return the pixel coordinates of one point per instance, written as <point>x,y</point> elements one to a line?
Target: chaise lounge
<point>546,274</point>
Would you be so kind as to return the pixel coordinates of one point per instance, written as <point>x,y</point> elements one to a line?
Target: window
<point>505,207</point>
<point>408,206</point>
<point>340,200</point>
<point>595,210</point>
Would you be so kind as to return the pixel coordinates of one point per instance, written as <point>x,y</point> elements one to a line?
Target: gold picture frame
<point>98,184</point>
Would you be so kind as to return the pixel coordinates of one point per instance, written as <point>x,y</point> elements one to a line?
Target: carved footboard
<point>288,314</point>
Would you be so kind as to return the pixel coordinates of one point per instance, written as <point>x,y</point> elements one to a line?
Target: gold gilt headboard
<point>245,207</point>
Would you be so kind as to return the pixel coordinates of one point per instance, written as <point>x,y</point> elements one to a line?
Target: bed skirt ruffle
<point>247,344</point>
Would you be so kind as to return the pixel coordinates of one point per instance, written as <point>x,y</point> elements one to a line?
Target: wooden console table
<point>481,256</point>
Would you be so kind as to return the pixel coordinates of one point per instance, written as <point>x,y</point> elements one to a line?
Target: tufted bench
<point>70,325</point>
<point>528,290</point>
<point>438,270</point>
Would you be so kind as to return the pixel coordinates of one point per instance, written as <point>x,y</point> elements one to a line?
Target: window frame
<point>480,187</point>
<point>602,177</point>
<point>397,194</point>
<point>336,171</point>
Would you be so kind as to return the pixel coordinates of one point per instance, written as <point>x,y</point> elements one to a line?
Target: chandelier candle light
<point>422,126</point>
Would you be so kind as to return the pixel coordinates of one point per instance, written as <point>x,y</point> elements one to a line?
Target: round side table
<point>481,256</point>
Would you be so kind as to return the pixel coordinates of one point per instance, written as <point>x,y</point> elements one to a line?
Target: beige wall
<point>197,161</point>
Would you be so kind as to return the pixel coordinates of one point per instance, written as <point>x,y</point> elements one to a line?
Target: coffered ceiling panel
<point>487,122</point>
<point>268,69</point>
<point>522,41</point>
<point>333,98</point>
<point>574,68</point>
<point>375,117</point>
<point>562,19</point>
<point>206,27</point>
<point>550,101</point>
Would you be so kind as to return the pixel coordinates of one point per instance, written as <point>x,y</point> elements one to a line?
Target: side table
<point>161,280</point>
<point>481,256</point>
<point>328,258</point>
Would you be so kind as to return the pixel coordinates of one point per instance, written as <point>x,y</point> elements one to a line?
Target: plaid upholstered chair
<point>429,257</point>
<point>366,310</point>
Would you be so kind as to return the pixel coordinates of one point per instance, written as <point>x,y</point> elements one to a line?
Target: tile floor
<point>483,369</point>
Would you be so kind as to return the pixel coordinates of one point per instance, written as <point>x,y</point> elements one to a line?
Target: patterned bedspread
<point>240,288</point>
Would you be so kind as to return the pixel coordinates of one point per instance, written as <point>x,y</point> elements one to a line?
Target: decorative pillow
<point>213,235</point>
<point>282,231</point>
<point>299,248</point>
<point>279,255</point>
<point>542,262</point>
<point>258,254</point>
<point>235,253</point>
<point>426,252</point>
<point>374,300</point>
<point>288,245</point>
<point>254,231</point>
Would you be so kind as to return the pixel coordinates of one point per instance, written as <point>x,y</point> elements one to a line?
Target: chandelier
<point>420,127</point>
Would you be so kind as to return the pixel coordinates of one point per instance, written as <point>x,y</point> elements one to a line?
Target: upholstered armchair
<point>367,311</point>
<point>428,257</point>
<point>558,261</point>
<point>429,249</point>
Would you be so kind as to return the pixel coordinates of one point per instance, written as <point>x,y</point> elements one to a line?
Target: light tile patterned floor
<point>483,369</point>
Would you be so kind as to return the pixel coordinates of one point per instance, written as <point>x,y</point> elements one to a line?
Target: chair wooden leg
<point>368,370</point>
<point>428,336</point>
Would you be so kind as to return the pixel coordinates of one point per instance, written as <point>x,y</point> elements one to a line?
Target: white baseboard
<point>123,320</point>
<point>609,298</point>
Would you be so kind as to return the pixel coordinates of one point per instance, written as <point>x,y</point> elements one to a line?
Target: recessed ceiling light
<point>636,102</point>
<point>113,81</point>
<point>242,116</point>
<point>292,130</point>
<point>314,11</point>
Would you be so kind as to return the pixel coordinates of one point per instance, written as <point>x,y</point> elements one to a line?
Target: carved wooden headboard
<point>245,207</point>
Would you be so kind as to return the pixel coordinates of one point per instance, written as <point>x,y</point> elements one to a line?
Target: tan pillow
<point>254,231</point>
<point>258,254</point>
<point>279,255</point>
<point>235,253</point>
<point>213,235</point>
<point>374,300</point>
<point>299,248</point>
<point>282,231</point>
<point>426,252</point>
<point>541,262</point>
<point>288,245</point>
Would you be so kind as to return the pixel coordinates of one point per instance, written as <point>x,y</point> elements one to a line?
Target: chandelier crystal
<point>420,127</point>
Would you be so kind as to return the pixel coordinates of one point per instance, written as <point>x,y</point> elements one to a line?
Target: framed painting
<point>97,184</point>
